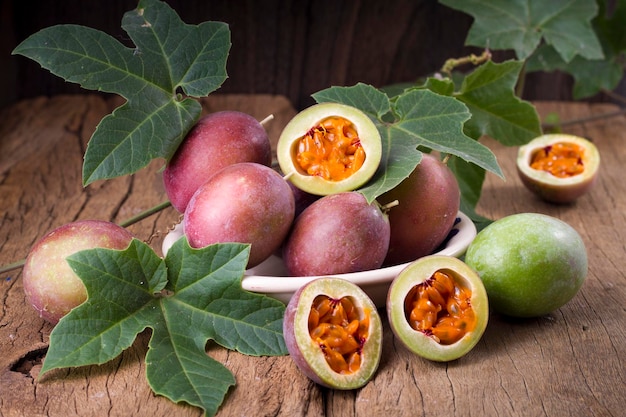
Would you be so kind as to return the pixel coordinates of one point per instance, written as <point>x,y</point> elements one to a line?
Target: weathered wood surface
<point>568,363</point>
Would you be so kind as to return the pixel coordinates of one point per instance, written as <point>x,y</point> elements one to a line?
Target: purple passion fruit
<point>50,284</point>
<point>531,264</point>
<point>428,203</point>
<point>333,333</point>
<point>437,306</point>
<point>337,234</point>
<point>216,141</point>
<point>329,148</point>
<point>558,168</point>
<point>245,203</point>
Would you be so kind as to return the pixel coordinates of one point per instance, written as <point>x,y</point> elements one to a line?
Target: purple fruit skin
<point>246,203</point>
<point>428,203</point>
<point>216,141</point>
<point>302,198</point>
<point>50,285</point>
<point>339,233</point>
<point>290,339</point>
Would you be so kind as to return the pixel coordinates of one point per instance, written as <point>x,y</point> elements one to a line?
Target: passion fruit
<point>531,264</point>
<point>329,148</point>
<point>337,234</point>
<point>333,333</point>
<point>558,167</point>
<point>438,307</point>
<point>428,203</point>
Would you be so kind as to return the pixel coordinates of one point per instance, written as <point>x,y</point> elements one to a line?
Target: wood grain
<point>570,362</point>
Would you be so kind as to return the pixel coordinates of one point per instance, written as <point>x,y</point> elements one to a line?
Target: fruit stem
<point>12,266</point>
<point>147,213</point>
<point>266,120</point>
<point>144,214</point>
<point>389,205</point>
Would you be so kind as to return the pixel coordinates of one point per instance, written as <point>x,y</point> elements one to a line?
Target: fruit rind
<point>549,187</point>
<point>306,353</point>
<point>310,117</point>
<point>414,274</point>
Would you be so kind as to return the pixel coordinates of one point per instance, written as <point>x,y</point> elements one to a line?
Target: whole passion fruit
<point>559,168</point>
<point>329,148</point>
<point>333,333</point>
<point>438,308</point>
<point>531,263</point>
<point>337,234</point>
<point>428,203</point>
<point>244,202</point>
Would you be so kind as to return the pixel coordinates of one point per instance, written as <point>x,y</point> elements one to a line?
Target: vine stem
<point>473,59</point>
<point>143,215</point>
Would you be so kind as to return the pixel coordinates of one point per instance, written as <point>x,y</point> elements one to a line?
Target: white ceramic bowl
<point>270,277</point>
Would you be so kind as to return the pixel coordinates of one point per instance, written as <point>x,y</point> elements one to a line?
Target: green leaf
<point>470,179</point>
<point>208,283</point>
<point>521,25</point>
<point>489,93</point>
<point>591,75</point>
<point>415,119</point>
<point>190,297</point>
<point>169,58</point>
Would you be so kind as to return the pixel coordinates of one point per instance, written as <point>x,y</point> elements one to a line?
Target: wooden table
<point>569,363</point>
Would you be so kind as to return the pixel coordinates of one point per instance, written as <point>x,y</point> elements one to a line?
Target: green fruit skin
<point>531,264</point>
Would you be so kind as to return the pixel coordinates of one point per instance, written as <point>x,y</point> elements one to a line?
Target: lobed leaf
<point>411,122</point>
<point>169,58</point>
<point>207,283</point>
<point>190,297</point>
<point>591,75</point>
<point>489,93</point>
<point>120,287</point>
<point>521,25</point>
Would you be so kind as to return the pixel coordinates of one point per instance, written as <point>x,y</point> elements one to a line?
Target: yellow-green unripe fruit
<point>531,264</point>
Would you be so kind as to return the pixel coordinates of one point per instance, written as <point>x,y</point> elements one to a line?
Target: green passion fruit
<point>333,333</point>
<point>531,264</point>
<point>329,148</point>
<point>558,168</point>
<point>438,307</point>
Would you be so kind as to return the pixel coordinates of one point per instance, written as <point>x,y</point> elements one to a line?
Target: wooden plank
<point>567,363</point>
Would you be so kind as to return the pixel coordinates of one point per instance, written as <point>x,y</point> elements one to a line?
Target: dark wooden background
<point>287,47</point>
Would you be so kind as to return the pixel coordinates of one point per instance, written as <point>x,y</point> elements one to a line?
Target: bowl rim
<point>455,246</point>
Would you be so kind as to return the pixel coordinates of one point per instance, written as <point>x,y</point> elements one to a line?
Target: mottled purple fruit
<point>245,203</point>
<point>50,284</point>
<point>428,203</point>
<point>333,333</point>
<point>216,141</point>
<point>337,234</point>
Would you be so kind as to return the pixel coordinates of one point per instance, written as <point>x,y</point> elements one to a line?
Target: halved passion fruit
<point>559,167</point>
<point>438,308</point>
<point>333,333</point>
<point>329,148</point>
